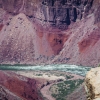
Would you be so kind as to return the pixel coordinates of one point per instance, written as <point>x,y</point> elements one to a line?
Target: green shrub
<point>65,88</point>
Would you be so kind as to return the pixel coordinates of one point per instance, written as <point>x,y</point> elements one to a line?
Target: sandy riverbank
<point>40,74</point>
<point>48,75</point>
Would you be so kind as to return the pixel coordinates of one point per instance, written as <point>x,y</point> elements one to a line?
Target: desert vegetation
<point>61,90</point>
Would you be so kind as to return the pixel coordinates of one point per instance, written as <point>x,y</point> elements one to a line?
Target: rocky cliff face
<point>92,84</point>
<point>59,13</point>
<point>65,31</point>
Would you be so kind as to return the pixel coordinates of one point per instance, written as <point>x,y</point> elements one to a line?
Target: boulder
<point>92,84</point>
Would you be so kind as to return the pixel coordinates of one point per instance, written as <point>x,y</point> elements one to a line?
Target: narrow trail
<point>46,93</point>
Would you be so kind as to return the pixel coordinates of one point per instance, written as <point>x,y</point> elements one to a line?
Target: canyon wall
<point>50,31</point>
<point>59,13</point>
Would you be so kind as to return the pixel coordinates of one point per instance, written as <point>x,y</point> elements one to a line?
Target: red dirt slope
<point>24,88</point>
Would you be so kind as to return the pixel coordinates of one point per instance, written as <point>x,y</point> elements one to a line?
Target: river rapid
<point>80,70</point>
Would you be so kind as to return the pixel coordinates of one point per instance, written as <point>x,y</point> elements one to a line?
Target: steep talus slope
<point>82,47</point>
<point>17,37</point>
<point>22,42</point>
<point>25,43</point>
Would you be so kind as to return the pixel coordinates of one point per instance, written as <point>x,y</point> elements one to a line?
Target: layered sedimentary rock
<point>92,84</point>
<point>22,42</point>
<point>59,13</point>
<point>64,31</point>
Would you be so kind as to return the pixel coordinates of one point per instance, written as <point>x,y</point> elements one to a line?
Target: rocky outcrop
<point>96,4</point>
<point>11,45</point>
<point>16,87</point>
<point>92,84</point>
<point>59,13</point>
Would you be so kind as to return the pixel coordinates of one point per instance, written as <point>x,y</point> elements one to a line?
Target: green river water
<point>80,70</point>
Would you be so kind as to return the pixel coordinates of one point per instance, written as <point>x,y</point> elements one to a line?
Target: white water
<point>61,67</point>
